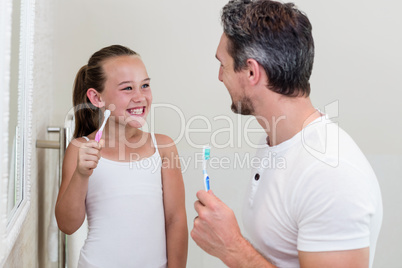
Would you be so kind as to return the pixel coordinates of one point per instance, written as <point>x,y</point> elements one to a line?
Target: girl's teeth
<point>136,111</point>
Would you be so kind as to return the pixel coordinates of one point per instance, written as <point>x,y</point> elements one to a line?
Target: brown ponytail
<point>87,116</point>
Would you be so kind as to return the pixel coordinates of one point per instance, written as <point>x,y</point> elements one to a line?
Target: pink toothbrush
<point>106,115</point>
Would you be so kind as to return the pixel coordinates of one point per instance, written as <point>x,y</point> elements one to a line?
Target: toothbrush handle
<point>98,136</point>
<point>206,181</point>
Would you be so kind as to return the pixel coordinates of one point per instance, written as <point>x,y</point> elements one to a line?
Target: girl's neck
<point>124,143</point>
<point>117,133</point>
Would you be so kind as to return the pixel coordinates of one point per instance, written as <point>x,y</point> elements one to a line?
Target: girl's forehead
<point>122,61</point>
<point>121,66</point>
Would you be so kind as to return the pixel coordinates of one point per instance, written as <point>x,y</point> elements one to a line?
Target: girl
<point>130,183</point>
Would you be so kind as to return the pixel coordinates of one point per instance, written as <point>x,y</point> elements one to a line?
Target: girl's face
<point>127,91</point>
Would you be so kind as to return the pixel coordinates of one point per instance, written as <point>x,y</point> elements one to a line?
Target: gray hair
<point>276,35</point>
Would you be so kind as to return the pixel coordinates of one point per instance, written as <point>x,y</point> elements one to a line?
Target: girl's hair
<point>87,116</point>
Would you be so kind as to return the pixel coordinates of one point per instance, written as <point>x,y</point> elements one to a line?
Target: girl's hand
<point>88,157</point>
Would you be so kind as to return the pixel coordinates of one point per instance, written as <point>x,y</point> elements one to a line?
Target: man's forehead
<point>222,46</point>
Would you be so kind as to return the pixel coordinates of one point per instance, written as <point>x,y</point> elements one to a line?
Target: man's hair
<point>276,35</point>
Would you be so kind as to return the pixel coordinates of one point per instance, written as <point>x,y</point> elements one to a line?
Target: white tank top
<point>124,206</point>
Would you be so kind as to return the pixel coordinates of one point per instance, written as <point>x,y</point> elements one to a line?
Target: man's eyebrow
<point>132,82</point>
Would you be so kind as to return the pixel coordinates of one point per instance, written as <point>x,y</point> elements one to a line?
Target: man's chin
<point>241,109</point>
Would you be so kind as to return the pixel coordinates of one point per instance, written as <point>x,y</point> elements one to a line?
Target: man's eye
<point>145,86</point>
<point>127,88</point>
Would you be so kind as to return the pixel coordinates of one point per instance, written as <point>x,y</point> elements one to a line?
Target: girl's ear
<point>95,98</point>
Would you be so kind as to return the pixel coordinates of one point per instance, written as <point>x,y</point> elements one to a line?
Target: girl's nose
<point>138,96</point>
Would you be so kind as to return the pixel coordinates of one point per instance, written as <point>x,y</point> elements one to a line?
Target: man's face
<point>233,81</point>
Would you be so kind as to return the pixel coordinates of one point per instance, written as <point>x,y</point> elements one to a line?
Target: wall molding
<point>10,228</point>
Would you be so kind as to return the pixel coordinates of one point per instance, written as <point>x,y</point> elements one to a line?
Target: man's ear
<point>254,71</point>
<point>95,98</point>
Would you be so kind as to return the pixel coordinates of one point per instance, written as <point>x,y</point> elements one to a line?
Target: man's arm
<point>357,258</point>
<point>217,232</point>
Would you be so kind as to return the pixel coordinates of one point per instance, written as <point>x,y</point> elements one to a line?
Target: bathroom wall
<point>30,249</point>
<point>357,68</point>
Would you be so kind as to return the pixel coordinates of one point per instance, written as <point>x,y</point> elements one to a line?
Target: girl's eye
<point>145,86</point>
<point>127,88</point>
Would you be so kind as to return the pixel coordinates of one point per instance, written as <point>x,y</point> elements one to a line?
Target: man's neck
<point>284,117</point>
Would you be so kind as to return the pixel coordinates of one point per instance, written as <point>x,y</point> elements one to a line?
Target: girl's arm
<point>80,159</point>
<point>174,203</point>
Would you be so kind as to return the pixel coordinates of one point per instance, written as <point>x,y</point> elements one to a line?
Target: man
<point>324,209</point>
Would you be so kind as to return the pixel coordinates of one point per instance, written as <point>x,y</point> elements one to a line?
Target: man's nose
<point>220,74</point>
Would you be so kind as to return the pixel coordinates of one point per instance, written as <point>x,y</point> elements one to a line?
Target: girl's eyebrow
<point>132,82</point>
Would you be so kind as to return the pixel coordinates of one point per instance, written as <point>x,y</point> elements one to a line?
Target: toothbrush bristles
<point>207,152</point>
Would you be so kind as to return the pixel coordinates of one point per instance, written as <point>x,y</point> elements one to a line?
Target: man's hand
<point>216,229</point>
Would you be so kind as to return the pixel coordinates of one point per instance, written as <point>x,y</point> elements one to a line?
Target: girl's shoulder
<point>74,145</point>
<point>82,139</point>
<point>77,142</point>
<point>164,140</point>
<point>71,153</point>
<point>165,144</point>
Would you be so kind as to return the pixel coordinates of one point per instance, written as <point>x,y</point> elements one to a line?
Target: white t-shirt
<point>125,212</point>
<point>314,192</point>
